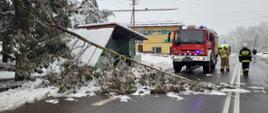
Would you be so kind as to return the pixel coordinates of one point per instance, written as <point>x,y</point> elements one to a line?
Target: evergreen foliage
<point>26,33</point>
<point>88,12</point>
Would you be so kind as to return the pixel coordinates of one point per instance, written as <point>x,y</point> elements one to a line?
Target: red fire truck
<point>195,47</point>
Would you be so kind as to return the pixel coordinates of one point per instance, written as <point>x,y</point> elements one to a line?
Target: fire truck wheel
<point>177,67</point>
<point>207,67</point>
<point>188,67</point>
<point>213,67</point>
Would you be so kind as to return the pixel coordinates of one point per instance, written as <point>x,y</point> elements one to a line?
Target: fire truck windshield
<point>190,37</point>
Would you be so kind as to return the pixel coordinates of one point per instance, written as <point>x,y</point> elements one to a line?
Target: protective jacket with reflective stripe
<point>245,55</point>
<point>223,53</point>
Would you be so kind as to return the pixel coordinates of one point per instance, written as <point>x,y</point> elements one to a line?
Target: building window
<point>140,48</point>
<point>157,50</point>
<point>150,32</point>
<point>165,32</point>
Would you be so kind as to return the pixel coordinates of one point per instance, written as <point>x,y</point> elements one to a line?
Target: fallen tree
<point>118,77</point>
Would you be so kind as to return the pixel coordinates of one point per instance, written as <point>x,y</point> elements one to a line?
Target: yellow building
<point>157,34</point>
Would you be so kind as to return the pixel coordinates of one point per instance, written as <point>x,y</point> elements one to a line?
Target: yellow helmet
<point>219,46</point>
<point>226,46</point>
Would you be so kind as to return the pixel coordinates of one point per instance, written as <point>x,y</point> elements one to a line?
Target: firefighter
<point>228,48</point>
<point>224,54</point>
<point>245,58</point>
<point>254,52</point>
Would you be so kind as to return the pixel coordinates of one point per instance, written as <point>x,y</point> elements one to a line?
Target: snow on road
<point>213,92</point>
<point>256,88</point>
<point>70,99</point>
<point>53,101</point>
<point>174,95</point>
<point>236,90</point>
<point>124,98</point>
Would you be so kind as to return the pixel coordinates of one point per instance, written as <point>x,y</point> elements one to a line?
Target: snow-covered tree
<point>88,12</point>
<point>6,12</point>
<point>28,35</point>
<point>255,36</point>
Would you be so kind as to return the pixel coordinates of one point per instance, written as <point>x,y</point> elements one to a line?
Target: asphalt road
<point>234,102</point>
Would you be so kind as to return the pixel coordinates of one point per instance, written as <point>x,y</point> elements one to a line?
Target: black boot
<point>245,73</point>
<point>222,70</point>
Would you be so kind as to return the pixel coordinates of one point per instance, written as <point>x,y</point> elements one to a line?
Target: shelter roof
<point>120,31</point>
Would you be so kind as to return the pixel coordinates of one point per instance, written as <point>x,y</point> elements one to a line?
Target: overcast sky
<point>220,15</point>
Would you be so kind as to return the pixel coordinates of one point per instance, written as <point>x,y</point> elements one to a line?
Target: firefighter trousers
<point>225,63</point>
<point>245,67</point>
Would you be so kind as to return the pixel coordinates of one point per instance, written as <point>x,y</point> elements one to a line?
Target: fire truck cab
<point>194,47</point>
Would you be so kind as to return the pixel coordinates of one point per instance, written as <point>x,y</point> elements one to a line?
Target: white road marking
<point>237,94</point>
<point>234,75</point>
<point>228,98</point>
<point>227,103</point>
<point>105,101</point>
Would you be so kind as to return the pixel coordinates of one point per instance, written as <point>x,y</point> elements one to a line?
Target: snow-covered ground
<point>263,55</point>
<point>159,61</point>
<point>7,75</point>
<point>87,90</point>
<point>29,92</point>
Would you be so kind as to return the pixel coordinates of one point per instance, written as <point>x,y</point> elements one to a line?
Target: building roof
<point>119,30</point>
<point>93,35</point>
<point>159,24</point>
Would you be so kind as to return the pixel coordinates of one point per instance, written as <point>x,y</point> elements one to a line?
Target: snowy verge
<point>7,75</point>
<point>84,91</point>
<point>263,55</point>
<point>89,89</point>
<point>30,92</point>
<point>142,90</point>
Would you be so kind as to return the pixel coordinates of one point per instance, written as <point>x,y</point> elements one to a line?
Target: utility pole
<point>134,10</point>
<point>132,20</point>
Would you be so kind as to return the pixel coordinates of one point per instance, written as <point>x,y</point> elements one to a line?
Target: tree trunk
<point>23,67</point>
<point>22,27</point>
<point>4,53</point>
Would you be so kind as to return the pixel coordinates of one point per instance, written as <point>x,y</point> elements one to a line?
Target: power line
<point>143,10</point>
<point>134,10</point>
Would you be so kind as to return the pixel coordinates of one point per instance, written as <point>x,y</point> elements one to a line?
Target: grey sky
<point>221,15</point>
